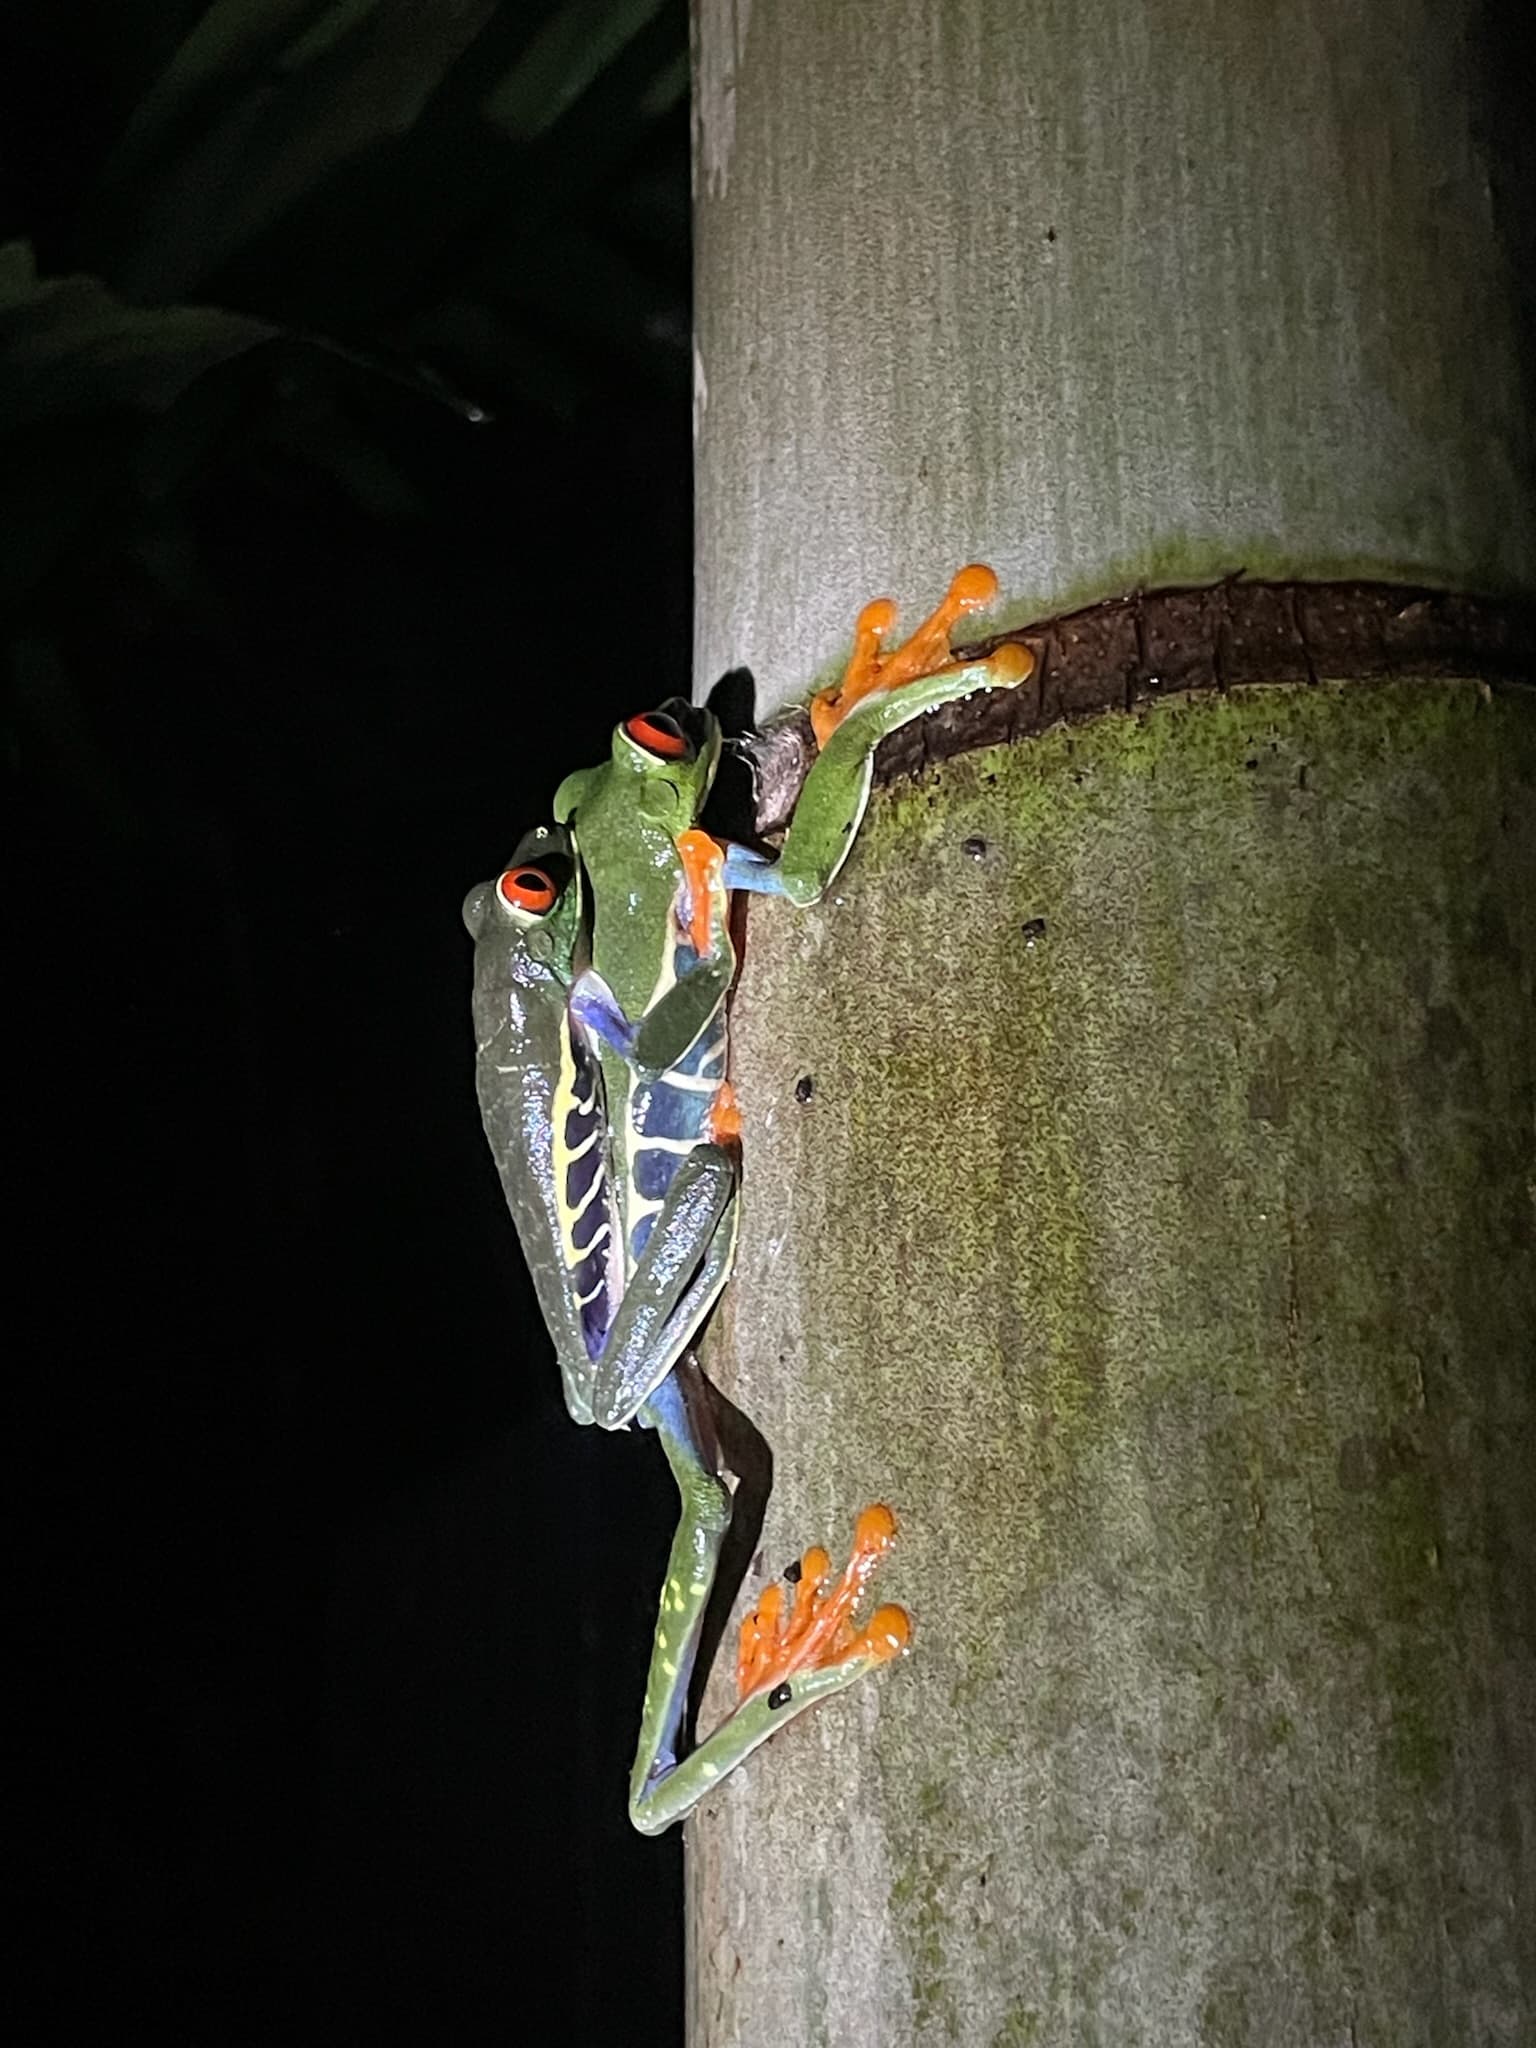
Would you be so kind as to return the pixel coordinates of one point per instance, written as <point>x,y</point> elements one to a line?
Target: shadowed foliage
<point>341,342</point>
<point>238,243</point>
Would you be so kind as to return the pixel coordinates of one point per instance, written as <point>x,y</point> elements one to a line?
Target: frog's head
<point>667,759</point>
<point>660,767</point>
<point>534,905</point>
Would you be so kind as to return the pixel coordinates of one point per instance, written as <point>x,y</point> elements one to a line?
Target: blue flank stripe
<point>661,1110</point>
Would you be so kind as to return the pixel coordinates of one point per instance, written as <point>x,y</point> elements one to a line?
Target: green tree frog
<point>653,997</point>
<point>621,1329</point>
<point>616,1334</point>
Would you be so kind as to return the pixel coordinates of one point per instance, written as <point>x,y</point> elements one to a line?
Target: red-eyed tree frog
<point>653,999</point>
<point>616,1332</point>
<point>652,871</point>
<point>621,1328</point>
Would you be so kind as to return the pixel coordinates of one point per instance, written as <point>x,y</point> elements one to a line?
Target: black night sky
<point>333,1628</point>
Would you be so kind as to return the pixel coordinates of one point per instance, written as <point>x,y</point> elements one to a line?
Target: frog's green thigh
<point>687,1261</point>
<point>831,804</point>
<point>676,1411</point>
<point>789,1662</point>
<point>675,1024</point>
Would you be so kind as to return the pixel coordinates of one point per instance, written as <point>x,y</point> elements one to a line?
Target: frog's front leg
<point>664,1034</point>
<point>789,1660</point>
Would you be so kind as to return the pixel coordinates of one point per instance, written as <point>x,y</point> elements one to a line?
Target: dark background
<point>333,1628</point>
<point>344,504</point>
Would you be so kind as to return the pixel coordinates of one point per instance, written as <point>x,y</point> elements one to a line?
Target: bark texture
<point>1106,293</point>
<point>1155,1233</point>
<point>1139,1171</point>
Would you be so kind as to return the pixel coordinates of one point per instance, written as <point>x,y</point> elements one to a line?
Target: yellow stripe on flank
<point>565,1156</point>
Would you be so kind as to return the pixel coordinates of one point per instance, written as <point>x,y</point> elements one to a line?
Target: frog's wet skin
<point>603,965</point>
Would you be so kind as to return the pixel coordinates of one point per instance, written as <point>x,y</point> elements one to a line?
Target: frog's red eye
<point>658,734</point>
<point>526,889</point>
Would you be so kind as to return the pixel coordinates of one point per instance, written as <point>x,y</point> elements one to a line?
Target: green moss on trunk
<point>1156,1237</point>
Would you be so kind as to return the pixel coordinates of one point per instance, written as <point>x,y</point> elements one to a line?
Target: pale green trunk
<point>1105,292</point>
<point>1168,1268</point>
<point>1140,1181</point>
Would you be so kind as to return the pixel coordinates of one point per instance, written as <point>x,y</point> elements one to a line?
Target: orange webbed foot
<point>817,1628</point>
<point>923,653</point>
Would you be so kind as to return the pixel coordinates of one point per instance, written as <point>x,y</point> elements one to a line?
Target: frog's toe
<point>887,1634</point>
<point>1011,664</point>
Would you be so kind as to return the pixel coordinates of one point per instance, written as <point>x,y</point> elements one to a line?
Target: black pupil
<point>658,721</point>
<point>530,879</point>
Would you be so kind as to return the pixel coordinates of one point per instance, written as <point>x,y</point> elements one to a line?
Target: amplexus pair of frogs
<point>603,960</point>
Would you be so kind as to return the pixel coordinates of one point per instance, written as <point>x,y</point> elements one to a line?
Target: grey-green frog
<point>622,1328</point>
<point>653,996</point>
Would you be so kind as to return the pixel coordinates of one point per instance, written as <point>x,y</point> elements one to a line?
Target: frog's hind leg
<point>782,1646</point>
<point>678,1412</point>
<point>686,1262</point>
<point>790,1657</point>
<point>879,695</point>
<point>871,667</point>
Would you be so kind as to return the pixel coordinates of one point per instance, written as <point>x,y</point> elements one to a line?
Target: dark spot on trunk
<point>1368,1461</point>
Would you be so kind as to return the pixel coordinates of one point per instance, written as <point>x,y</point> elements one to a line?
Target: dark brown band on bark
<point>1220,636</point>
<point>1223,636</point>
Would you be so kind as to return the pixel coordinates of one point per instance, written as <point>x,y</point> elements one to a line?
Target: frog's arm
<point>878,694</point>
<point>574,791</point>
<point>673,1023</point>
<point>789,1659</point>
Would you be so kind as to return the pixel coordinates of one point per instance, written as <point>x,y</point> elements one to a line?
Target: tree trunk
<point>1139,1160</point>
